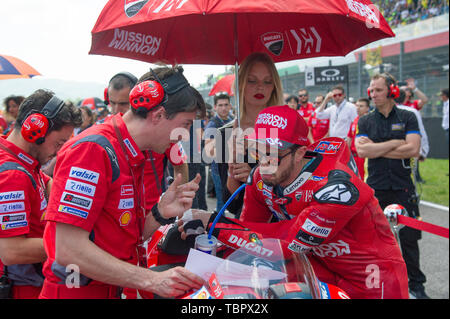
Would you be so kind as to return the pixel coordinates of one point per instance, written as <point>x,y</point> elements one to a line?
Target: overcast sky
<point>54,37</point>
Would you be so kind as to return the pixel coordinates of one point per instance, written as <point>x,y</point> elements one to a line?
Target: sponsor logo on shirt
<point>84,174</point>
<point>126,203</point>
<point>332,249</point>
<point>126,190</point>
<point>13,217</point>
<point>12,207</point>
<point>73,211</point>
<point>80,187</point>
<point>309,239</point>
<point>315,229</point>
<point>25,158</point>
<point>13,195</point>
<point>76,200</point>
<point>337,193</point>
<point>130,147</point>
<point>125,218</point>
<point>299,181</point>
<point>297,247</point>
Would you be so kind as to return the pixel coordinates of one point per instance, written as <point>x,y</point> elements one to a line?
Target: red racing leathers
<point>330,214</point>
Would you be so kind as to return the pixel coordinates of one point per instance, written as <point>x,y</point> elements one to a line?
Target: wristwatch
<point>157,215</point>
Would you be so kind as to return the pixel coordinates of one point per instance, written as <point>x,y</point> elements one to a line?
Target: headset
<point>151,93</point>
<point>36,125</point>
<point>128,75</point>
<point>393,89</point>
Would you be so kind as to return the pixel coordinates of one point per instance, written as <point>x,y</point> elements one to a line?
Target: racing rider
<point>315,203</point>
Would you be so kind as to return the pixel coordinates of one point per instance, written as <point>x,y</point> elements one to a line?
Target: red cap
<point>281,127</point>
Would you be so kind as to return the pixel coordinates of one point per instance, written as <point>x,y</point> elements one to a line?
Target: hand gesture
<point>178,197</point>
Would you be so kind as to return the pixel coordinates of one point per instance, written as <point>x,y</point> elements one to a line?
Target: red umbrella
<point>14,68</point>
<point>225,84</point>
<point>226,31</point>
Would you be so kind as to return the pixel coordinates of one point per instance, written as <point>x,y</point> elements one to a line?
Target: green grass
<point>435,188</point>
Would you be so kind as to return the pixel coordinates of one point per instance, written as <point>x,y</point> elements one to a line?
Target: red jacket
<point>333,216</point>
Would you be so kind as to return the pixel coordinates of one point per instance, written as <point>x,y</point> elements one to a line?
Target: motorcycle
<point>258,271</point>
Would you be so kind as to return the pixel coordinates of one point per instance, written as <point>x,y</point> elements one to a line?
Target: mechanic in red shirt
<point>311,199</point>
<point>97,221</point>
<point>305,108</point>
<point>43,125</point>
<point>362,108</point>
<point>318,125</point>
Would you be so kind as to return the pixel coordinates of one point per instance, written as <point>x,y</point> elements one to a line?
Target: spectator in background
<point>88,119</point>
<point>444,97</point>
<point>410,90</point>
<point>362,108</point>
<point>292,101</point>
<point>12,104</point>
<point>318,126</point>
<point>222,108</point>
<point>305,108</point>
<point>342,113</point>
<point>119,88</point>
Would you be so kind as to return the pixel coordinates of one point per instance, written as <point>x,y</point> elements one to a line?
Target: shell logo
<point>125,218</point>
<point>260,185</point>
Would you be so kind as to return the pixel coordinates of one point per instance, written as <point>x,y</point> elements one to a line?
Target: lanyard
<point>139,194</point>
<point>155,172</point>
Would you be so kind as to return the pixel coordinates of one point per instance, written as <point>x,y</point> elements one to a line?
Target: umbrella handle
<point>236,93</point>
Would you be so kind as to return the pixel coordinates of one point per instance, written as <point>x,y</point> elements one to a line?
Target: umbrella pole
<point>236,93</point>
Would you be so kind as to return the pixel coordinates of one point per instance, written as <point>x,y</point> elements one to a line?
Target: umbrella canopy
<point>14,68</point>
<point>92,102</point>
<point>226,31</point>
<point>225,84</point>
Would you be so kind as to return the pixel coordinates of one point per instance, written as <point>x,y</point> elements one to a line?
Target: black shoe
<point>418,293</point>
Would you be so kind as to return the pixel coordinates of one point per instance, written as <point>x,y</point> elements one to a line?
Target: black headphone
<point>133,80</point>
<point>36,125</point>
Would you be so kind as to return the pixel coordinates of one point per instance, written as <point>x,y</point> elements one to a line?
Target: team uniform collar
<point>135,156</point>
<point>27,160</point>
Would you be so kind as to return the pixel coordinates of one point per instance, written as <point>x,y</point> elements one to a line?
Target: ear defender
<point>105,97</point>
<point>394,91</point>
<point>34,128</point>
<point>36,125</point>
<point>145,96</point>
<point>368,94</point>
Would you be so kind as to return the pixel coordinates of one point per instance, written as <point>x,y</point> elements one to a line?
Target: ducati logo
<point>273,41</point>
<point>132,7</point>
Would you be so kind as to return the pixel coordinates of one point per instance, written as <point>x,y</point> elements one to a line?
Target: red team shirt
<point>413,104</point>
<point>23,204</point>
<point>319,127</point>
<point>306,112</point>
<point>330,214</point>
<point>93,189</point>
